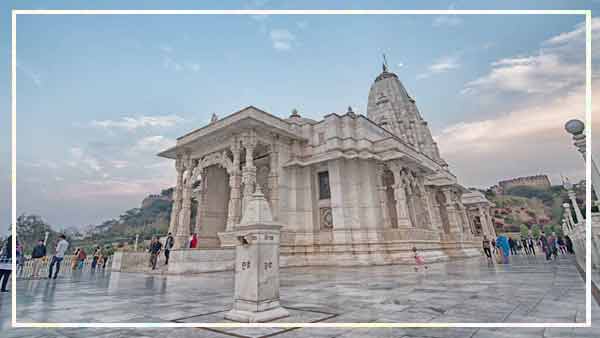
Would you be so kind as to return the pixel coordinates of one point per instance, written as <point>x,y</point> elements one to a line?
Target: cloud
<point>133,123</point>
<point>154,144</point>
<point>528,137</point>
<point>83,160</point>
<point>119,164</point>
<point>540,73</point>
<point>171,62</point>
<point>282,39</point>
<point>117,187</point>
<point>446,21</point>
<point>30,74</point>
<point>559,64</point>
<point>440,66</point>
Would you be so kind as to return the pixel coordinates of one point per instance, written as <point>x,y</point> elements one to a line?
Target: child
<point>419,260</point>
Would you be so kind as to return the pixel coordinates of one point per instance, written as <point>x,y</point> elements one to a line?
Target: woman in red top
<point>193,241</point>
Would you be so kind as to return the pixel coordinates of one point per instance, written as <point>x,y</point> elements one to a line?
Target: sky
<point>98,96</point>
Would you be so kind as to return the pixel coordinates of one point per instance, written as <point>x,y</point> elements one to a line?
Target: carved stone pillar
<point>234,210</point>
<point>274,177</point>
<point>427,205</point>
<point>383,199</point>
<point>485,226</point>
<point>200,195</point>
<point>183,226</point>
<point>453,216</point>
<point>176,195</point>
<point>436,218</point>
<point>400,196</point>
<point>249,171</point>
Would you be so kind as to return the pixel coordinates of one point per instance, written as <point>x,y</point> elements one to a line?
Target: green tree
<point>524,231</point>
<point>535,231</point>
<point>549,229</point>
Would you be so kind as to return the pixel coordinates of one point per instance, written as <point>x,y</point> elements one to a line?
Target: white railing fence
<point>25,271</point>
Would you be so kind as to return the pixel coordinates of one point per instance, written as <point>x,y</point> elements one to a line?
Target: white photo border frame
<point>588,131</point>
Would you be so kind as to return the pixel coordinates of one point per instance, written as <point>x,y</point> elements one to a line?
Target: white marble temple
<point>347,189</point>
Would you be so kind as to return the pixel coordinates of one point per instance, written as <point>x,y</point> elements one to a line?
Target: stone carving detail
<point>326,218</point>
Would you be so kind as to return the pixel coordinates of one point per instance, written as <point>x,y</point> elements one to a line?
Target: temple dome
<point>391,107</point>
<point>388,99</point>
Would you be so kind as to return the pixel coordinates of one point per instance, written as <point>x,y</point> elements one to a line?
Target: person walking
<point>552,245</point>
<point>37,258</point>
<point>96,257</point>
<point>544,242</point>
<point>194,241</point>
<point>569,244</point>
<point>531,244</point>
<point>486,249</point>
<point>108,251</point>
<point>504,247</point>
<point>74,259</point>
<point>59,254</point>
<point>81,257</point>
<point>562,246</point>
<point>154,249</point>
<point>419,260</point>
<point>525,246</point>
<point>512,246</point>
<point>20,258</point>
<point>169,242</point>
<point>6,263</point>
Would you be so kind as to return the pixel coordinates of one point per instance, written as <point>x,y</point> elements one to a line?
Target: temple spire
<point>385,64</point>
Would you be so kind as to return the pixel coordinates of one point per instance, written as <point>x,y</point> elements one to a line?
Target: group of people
<point>503,247</point>
<point>156,247</point>
<point>99,258</point>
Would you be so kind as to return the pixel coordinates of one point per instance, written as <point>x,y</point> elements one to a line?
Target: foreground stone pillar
<point>249,171</point>
<point>234,209</point>
<point>176,196</point>
<point>256,296</point>
<point>183,225</point>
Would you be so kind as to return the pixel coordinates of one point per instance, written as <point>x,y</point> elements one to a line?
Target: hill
<point>529,206</point>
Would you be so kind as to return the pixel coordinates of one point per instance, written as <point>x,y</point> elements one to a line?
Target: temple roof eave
<point>245,119</point>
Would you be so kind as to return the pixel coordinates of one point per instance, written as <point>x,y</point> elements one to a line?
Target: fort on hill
<point>537,181</point>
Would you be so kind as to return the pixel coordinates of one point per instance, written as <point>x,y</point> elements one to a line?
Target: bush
<point>535,231</point>
<point>524,231</point>
<point>531,192</point>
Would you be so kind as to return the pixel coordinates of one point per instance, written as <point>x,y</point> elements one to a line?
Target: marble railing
<point>577,235</point>
<point>25,270</point>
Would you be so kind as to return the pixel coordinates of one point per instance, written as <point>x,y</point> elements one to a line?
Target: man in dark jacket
<point>155,248</point>
<point>37,256</point>
<point>169,242</point>
<point>6,263</point>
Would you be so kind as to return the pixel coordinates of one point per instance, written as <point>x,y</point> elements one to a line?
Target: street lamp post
<point>576,127</point>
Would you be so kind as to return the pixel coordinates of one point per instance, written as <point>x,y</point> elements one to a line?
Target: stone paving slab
<point>528,290</point>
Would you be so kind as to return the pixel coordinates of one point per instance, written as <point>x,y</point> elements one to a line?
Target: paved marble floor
<point>528,290</point>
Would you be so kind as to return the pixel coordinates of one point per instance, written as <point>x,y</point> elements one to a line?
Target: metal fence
<point>25,271</point>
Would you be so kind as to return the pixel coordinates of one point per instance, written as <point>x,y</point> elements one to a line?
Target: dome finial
<point>385,64</point>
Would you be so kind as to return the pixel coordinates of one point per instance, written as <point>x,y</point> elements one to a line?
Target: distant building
<point>537,181</point>
<point>152,198</point>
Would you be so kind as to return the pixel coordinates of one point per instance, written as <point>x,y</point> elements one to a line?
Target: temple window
<point>324,192</point>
